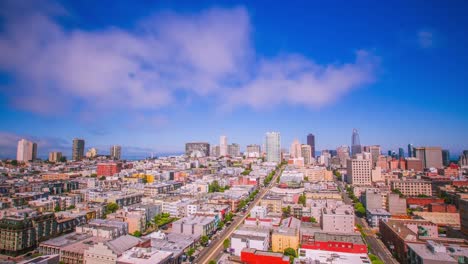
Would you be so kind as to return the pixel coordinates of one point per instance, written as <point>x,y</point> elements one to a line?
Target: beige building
<point>26,151</point>
<point>306,153</point>
<point>55,156</point>
<point>359,170</point>
<point>317,174</point>
<point>295,150</point>
<point>273,204</point>
<point>284,238</point>
<point>396,205</point>
<point>107,252</point>
<point>431,157</point>
<point>136,220</point>
<point>411,187</point>
<point>340,219</point>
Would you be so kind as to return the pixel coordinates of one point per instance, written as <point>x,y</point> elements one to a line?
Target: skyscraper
<point>78,149</point>
<point>295,149</point>
<point>401,153</point>
<point>431,157</point>
<point>355,143</point>
<point>223,146</point>
<point>115,152</point>
<point>273,147</point>
<point>375,153</point>
<point>446,157</point>
<point>26,151</point>
<point>343,154</point>
<point>306,153</point>
<point>411,151</point>
<point>234,150</point>
<point>311,143</point>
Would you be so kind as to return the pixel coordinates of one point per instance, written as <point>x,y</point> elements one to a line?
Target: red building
<point>253,256</point>
<point>423,201</point>
<point>108,169</point>
<point>442,208</point>
<point>451,171</point>
<point>337,242</point>
<point>414,164</point>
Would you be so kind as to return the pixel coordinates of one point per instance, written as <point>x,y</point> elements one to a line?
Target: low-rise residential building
<point>107,252</point>
<point>436,253</point>
<point>374,216</point>
<point>194,225</point>
<point>283,238</point>
<point>340,219</point>
<point>412,187</point>
<point>250,237</point>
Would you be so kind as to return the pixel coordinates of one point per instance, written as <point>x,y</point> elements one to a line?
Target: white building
<point>223,146</point>
<point>359,170</point>
<point>250,237</point>
<point>340,219</point>
<point>375,215</point>
<point>26,151</point>
<point>273,147</point>
<point>258,212</point>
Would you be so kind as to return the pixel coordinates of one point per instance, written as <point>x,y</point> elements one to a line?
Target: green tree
<point>71,207</point>
<point>214,187</point>
<point>302,199</point>
<point>286,211</point>
<point>102,178</point>
<point>313,220</point>
<point>204,240</point>
<point>212,262</point>
<point>220,225</point>
<point>190,252</point>
<point>228,217</point>
<point>137,233</point>
<point>14,162</point>
<point>360,210</point>
<point>291,253</point>
<point>112,208</point>
<point>93,175</point>
<point>226,243</point>
<point>57,208</point>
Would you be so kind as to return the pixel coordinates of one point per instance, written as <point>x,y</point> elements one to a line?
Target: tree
<point>190,252</point>
<point>226,243</point>
<point>360,210</point>
<point>290,252</point>
<point>220,225</point>
<point>214,187</point>
<point>204,240</point>
<point>112,208</point>
<point>286,211</point>
<point>313,220</point>
<point>71,207</point>
<point>302,199</point>
<point>57,208</point>
<point>93,175</point>
<point>14,162</point>
<point>144,180</point>
<point>102,178</point>
<point>228,217</point>
<point>212,262</point>
<point>137,233</point>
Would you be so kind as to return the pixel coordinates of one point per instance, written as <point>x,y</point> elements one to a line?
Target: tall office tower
<point>234,150</point>
<point>431,157</point>
<point>355,143</point>
<point>375,153</point>
<point>343,154</point>
<point>26,150</point>
<point>463,159</point>
<point>306,153</point>
<point>55,156</point>
<point>115,152</point>
<point>401,153</point>
<point>197,149</point>
<point>311,143</point>
<point>359,170</point>
<point>295,150</point>
<point>273,147</point>
<point>223,146</point>
<point>411,151</point>
<point>78,149</point>
<point>445,157</point>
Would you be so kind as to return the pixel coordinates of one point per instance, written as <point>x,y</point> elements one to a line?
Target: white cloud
<point>425,38</point>
<point>145,67</point>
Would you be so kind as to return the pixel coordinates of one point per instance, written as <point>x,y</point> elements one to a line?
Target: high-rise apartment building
<point>234,150</point>
<point>401,153</point>
<point>359,170</point>
<point>78,149</point>
<point>306,153</point>
<point>431,157</point>
<point>253,150</point>
<point>26,151</point>
<point>223,146</point>
<point>115,152</point>
<point>295,149</point>
<point>445,157</point>
<point>343,154</point>
<point>273,147</point>
<point>55,156</point>
<point>311,143</point>
<point>197,149</point>
<point>355,143</point>
<point>411,151</point>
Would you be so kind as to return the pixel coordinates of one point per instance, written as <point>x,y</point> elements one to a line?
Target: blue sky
<point>152,75</point>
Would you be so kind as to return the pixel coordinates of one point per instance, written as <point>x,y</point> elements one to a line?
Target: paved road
<point>216,246</point>
<point>376,246</point>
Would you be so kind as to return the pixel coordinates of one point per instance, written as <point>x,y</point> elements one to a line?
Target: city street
<point>216,246</point>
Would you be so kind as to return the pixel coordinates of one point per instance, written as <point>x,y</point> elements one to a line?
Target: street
<point>216,246</point>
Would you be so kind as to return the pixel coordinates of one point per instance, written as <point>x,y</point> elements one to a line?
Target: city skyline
<point>251,74</point>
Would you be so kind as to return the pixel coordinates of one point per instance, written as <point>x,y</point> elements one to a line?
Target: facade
<point>115,152</point>
<point>197,226</point>
<point>223,146</point>
<point>108,169</point>
<point>463,207</point>
<point>336,242</point>
<point>295,149</point>
<point>343,154</point>
<point>284,238</point>
<point>234,150</point>
<point>253,151</point>
<point>340,219</point>
<point>359,171</point>
<point>26,151</point>
<point>431,157</point>
<point>273,147</point>
<point>414,164</point>
<point>107,252</point>
<point>306,153</point>
<point>250,237</point>
<point>355,143</point>
<point>372,199</point>
<point>311,143</point>
<point>375,151</point>
<point>197,149</point>
<point>78,149</point>
<point>396,204</point>
<point>55,156</point>
<point>374,216</point>
<point>412,187</point>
